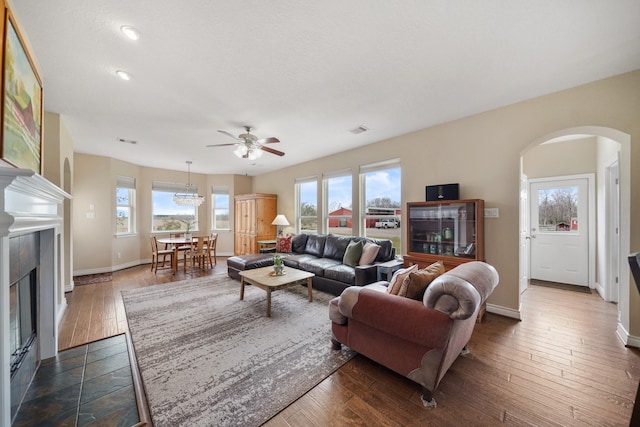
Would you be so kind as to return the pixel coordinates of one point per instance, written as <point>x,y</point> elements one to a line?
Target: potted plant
<point>187,233</point>
<point>278,264</point>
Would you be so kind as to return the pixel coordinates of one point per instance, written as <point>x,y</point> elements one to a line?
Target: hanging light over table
<point>189,197</point>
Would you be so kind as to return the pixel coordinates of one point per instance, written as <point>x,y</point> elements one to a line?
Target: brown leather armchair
<point>417,339</point>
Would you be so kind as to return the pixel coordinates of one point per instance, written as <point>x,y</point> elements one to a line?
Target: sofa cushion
<point>352,254</point>
<point>369,253</point>
<point>398,278</point>
<point>293,260</point>
<point>283,244</point>
<point>318,265</point>
<point>386,251</point>
<point>335,246</point>
<point>417,282</point>
<point>298,243</point>
<point>315,245</point>
<point>341,273</point>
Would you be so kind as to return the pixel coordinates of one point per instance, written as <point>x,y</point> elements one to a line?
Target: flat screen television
<point>634,263</point>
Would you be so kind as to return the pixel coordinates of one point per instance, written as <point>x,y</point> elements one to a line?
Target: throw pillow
<point>369,253</point>
<point>398,277</point>
<point>283,244</point>
<point>416,283</point>
<point>352,254</point>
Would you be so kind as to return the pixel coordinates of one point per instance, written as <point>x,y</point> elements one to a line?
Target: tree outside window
<point>125,201</point>
<point>338,204</point>
<point>167,215</point>
<point>381,196</point>
<point>307,206</point>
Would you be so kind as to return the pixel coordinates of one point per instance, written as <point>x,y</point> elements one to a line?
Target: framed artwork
<point>22,104</point>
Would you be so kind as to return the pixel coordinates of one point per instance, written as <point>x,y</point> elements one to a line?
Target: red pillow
<point>283,244</point>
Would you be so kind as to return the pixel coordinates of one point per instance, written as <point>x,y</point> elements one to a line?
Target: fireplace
<point>31,293</point>
<point>23,307</point>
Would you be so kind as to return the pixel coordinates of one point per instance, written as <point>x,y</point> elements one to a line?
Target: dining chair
<point>199,253</point>
<point>157,253</point>
<point>211,247</point>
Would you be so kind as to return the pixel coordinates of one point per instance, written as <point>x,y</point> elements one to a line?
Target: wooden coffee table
<point>263,279</point>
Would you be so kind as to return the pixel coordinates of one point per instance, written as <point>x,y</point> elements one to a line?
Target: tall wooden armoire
<point>253,216</point>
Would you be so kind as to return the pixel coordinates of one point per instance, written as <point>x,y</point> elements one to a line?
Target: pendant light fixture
<point>189,197</point>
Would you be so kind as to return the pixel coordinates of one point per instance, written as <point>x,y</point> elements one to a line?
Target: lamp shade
<point>280,220</point>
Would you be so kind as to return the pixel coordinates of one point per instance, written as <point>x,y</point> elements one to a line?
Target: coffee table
<point>264,279</point>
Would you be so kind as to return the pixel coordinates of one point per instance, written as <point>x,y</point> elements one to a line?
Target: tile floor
<point>89,385</point>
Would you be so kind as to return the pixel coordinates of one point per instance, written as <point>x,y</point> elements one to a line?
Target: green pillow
<point>352,254</point>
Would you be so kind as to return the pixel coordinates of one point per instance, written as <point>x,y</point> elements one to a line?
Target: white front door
<point>559,222</point>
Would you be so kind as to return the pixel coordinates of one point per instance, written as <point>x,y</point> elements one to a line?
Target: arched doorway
<point>606,137</point>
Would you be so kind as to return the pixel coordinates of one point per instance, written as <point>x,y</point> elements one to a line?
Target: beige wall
<point>97,248</point>
<point>57,167</point>
<point>482,153</point>
<point>574,157</point>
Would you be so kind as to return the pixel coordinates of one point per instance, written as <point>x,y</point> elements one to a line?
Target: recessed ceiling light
<point>123,75</point>
<point>130,32</point>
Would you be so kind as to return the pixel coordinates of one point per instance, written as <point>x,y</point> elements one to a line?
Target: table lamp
<point>280,221</point>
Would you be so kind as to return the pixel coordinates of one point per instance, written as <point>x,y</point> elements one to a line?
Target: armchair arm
<point>402,317</point>
<point>459,292</point>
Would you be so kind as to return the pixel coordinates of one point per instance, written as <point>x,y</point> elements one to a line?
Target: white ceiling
<point>306,71</point>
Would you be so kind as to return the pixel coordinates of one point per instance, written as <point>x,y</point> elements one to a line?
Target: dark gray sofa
<point>320,254</point>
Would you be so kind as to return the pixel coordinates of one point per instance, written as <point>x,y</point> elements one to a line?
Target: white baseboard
<point>627,340</point>
<point>69,287</point>
<point>504,311</point>
<point>119,267</point>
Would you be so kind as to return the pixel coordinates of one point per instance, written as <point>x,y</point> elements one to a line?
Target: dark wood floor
<point>561,365</point>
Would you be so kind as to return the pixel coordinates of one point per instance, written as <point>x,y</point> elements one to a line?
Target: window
<point>167,215</point>
<point>338,205</point>
<point>220,208</point>
<point>307,205</point>
<point>381,196</point>
<point>125,204</point>
<point>558,209</point>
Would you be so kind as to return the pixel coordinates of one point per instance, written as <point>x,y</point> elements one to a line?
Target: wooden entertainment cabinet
<point>451,231</point>
<point>253,216</point>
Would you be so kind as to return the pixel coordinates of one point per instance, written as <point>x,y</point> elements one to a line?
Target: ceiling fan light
<point>254,154</point>
<point>241,151</point>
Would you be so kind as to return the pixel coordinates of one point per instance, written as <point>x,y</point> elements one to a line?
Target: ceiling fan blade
<point>272,151</point>
<point>221,145</point>
<point>267,140</point>
<point>227,133</point>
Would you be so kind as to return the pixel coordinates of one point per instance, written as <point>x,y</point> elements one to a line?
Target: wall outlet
<point>491,213</point>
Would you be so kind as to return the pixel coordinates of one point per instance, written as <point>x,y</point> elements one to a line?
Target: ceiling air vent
<point>128,141</point>
<point>359,129</point>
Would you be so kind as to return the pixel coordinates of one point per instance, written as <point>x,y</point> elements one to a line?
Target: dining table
<point>176,243</point>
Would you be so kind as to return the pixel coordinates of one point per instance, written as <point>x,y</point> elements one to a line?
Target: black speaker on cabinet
<point>443,192</point>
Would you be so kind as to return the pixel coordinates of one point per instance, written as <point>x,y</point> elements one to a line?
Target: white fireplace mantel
<point>30,203</point>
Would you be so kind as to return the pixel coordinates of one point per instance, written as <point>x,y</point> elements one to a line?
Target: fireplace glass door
<point>22,316</point>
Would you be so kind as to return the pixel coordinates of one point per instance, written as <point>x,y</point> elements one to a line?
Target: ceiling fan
<point>248,145</point>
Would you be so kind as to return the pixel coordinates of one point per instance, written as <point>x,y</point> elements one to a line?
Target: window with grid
<point>125,205</point>
<point>307,205</point>
<point>337,193</point>
<point>220,208</point>
<point>381,197</point>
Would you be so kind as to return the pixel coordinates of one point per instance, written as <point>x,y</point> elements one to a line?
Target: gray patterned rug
<point>208,359</point>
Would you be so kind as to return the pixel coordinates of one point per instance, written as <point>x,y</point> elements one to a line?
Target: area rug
<point>208,359</point>
<point>563,286</point>
<point>89,279</point>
